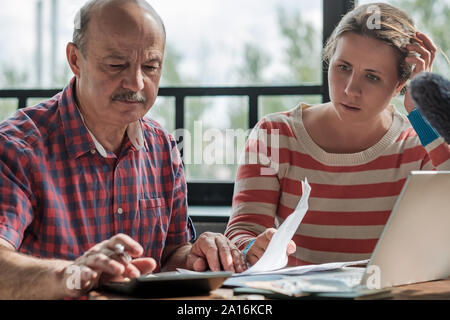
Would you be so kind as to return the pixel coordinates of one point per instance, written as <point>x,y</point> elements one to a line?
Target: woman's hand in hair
<point>423,53</point>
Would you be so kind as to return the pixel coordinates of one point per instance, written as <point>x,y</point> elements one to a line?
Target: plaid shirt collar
<point>79,139</point>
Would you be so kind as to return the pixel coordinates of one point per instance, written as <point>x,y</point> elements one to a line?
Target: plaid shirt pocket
<point>151,203</point>
<point>153,225</point>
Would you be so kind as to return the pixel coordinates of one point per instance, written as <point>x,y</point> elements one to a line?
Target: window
<point>233,43</point>
<point>227,64</point>
<point>210,43</point>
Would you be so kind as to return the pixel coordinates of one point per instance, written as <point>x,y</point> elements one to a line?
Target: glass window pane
<point>272,104</point>
<point>163,112</point>
<point>17,36</point>
<point>234,42</point>
<point>8,107</point>
<point>216,131</point>
<point>37,33</point>
<point>209,43</point>
<point>34,101</point>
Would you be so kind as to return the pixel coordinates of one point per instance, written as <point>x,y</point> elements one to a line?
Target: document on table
<point>275,255</point>
<point>275,259</point>
<point>338,281</point>
<point>309,268</point>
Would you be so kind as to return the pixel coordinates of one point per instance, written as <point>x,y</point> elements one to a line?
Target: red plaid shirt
<point>59,196</point>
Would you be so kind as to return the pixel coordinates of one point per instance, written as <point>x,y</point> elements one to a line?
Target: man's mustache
<point>129,96</point>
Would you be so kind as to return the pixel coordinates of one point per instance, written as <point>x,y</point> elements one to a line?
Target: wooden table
<point>432,290</point>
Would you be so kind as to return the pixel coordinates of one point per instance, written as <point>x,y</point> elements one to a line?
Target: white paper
<point>275,255</point>
<point>313,268</point>
<point>275,259</point>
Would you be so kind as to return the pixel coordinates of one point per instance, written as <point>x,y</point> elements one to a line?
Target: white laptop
<point>415,243</point>
<point>413,247</point>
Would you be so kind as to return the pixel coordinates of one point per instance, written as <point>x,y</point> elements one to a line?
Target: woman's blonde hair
<point>379,21</point>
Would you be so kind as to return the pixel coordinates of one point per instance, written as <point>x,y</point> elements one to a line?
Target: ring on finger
<point>119,250</point>
<point>114,254</point>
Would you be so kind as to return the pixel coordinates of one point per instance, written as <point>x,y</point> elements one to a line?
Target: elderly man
<point>84,176</point>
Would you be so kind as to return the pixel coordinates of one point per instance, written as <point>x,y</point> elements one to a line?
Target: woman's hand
<point>261,242</point>
<point>426,51</point>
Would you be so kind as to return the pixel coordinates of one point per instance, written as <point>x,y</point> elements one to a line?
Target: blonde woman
<point>355,150</point>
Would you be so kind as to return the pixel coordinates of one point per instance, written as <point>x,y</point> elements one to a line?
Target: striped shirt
<point>61,192</point>
<point>352,195</point>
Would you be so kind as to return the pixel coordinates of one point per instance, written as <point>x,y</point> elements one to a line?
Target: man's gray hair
<point>84,14</point>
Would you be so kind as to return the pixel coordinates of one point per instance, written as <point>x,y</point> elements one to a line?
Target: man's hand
<point>101,264</point>
<point>213,251</point>
<point>260,245</point>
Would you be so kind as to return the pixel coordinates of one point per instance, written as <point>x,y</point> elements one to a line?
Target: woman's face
<point>363,77</point>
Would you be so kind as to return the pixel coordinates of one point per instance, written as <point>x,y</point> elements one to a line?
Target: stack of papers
<point>326,281</point>
<point>343,283</point>
<point>241,279</point>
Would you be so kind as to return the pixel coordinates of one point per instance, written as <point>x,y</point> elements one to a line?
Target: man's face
<point>119,73</point>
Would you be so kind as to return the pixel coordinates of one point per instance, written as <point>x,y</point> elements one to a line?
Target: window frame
<point>221,193</point>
